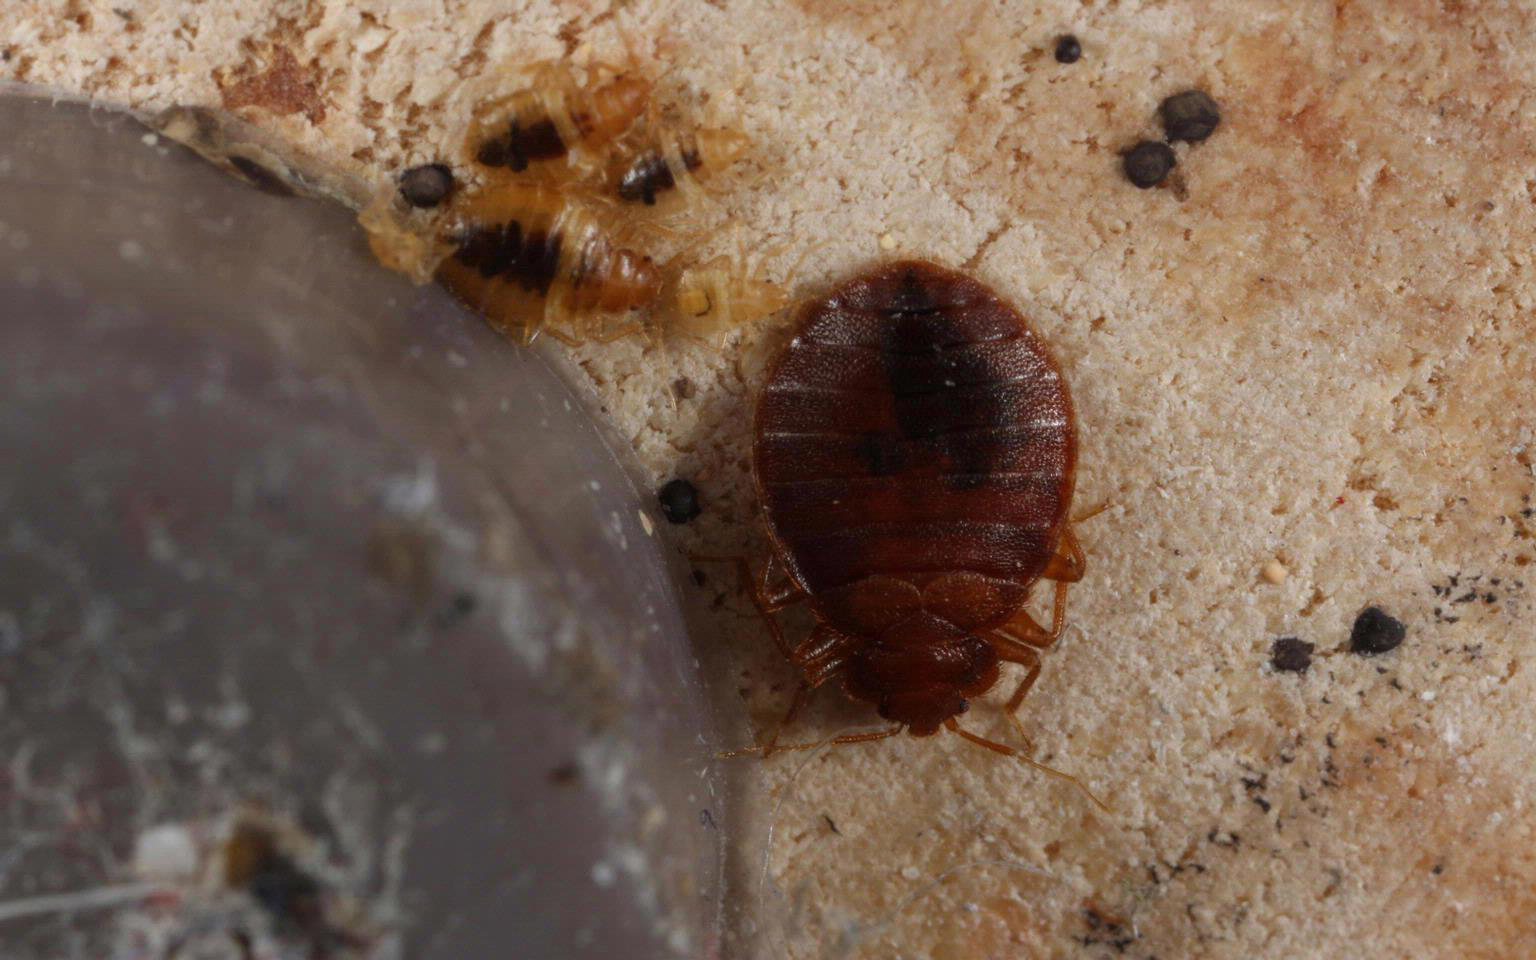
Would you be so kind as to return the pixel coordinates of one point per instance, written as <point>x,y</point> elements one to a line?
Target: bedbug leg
<point>834,742</point>
<point>795,703</point>
<point>1013,651</point>
<point>1011,752</point>
<point>1067,565</point>
<point>1023,628</point>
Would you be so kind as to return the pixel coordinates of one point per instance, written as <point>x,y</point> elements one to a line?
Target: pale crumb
<point>887,242</point>
<point>165,852</point>
<point>1274,572</point>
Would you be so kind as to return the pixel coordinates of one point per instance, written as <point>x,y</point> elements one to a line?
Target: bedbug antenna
<point>783,794</point>
<point>981,741</point>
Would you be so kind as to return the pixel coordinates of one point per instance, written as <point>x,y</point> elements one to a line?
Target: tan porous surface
<point>1303,375</point>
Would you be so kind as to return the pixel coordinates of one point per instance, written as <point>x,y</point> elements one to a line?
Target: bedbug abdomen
<point>915,428</point>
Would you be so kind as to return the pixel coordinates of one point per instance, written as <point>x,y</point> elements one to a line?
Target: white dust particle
<point>166,852</point>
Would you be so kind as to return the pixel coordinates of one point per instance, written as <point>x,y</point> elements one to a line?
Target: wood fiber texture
<point>1302,375</point>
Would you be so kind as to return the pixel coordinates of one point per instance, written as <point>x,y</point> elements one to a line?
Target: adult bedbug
<point>914,453</point>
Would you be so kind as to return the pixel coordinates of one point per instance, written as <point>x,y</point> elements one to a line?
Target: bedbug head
<point>922,674</point>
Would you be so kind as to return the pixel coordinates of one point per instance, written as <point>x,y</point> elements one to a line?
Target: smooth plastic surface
<point>280,532</point>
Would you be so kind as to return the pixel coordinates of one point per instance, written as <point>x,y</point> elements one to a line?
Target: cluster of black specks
<point>1291,654</point>
<point>1187,117</point>
<point>1461,592</point>
<point>426,186</point>
<point>1375,632</point>
<point>1255,786</point>
<point>679,501</point>
<point>1068,50</point>
<point>1226,839</point>
<point>1105,930</point>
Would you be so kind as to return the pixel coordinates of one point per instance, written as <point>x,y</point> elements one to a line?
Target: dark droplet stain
<point>1190,116</point>
<point>1375,631</point>
<point>679,501</point>
<point>427,185</point>
<point>1147,164</point>
<point>1291,654</point>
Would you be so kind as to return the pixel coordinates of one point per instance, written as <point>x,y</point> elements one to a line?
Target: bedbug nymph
<point>555,114</point>
<point>914,453</point>
<point>530,258</point>
<point>676,163</point>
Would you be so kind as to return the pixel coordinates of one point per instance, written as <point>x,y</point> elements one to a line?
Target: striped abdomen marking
<point>524,255</point>
<point>914,427</point>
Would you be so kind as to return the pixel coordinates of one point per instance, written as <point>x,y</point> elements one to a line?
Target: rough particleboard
<point>1315,350</point>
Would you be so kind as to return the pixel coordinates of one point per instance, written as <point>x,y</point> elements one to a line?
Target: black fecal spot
<point>426,186</point>
<point>1147,164</point>
<point>1068,49</point>
<point>1291,654</point>
<point>881,454</point>
<point>691,158</point>
<point>645,178</point>
<point>260,177</point>
<point>1190,116</point>
<point>1375,631</point>
<point>679,501</point>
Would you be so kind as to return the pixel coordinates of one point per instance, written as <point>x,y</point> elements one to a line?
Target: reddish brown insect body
<point>914,455</point>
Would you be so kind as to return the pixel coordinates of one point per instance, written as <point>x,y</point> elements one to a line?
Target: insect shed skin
<point>914,452</point>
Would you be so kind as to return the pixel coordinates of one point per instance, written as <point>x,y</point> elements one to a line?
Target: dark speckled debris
<point>1375,631</point>
<point>1291,654</point>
